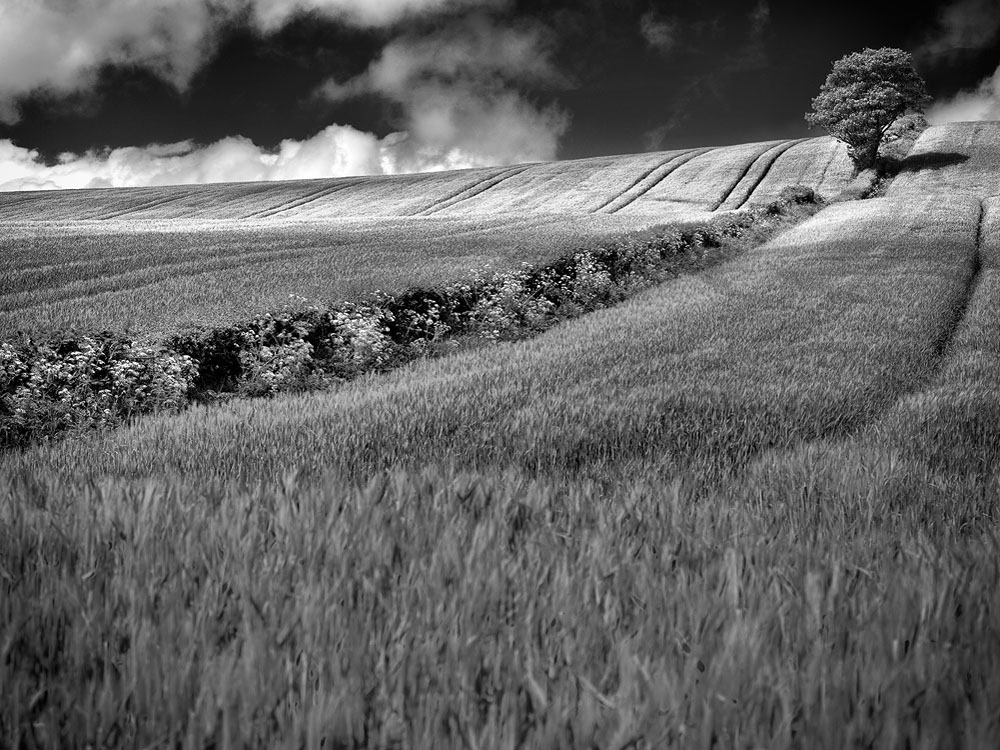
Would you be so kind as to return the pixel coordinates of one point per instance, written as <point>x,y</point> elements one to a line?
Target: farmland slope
<point>869,312</point>
<point>656,184</point>
<point>155,277</point>
<point>838,588</point>
<point>941,438</point>
<point>959,157</point>
<point>152,260</point>
<point>814,334</point>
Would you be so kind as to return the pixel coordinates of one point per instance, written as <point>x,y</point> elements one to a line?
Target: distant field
<point>654,184</point>
<point>154,259</point>
<point>156,277</point>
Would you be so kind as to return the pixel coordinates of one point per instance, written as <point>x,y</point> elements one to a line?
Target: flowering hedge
<point>92,381</point>
<point>102,380</point>
<point>299,346</point>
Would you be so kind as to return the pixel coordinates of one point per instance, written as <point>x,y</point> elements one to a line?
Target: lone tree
<point>863,96</point>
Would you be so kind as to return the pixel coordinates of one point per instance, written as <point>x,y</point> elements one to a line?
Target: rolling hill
<point>152,260</point>
<point>754,506</point>
<point>816,334</point>
<point>654,185</point>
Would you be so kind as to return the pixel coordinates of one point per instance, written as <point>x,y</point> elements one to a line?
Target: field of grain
<point>815,333</point>
<point>957,157</point>
<point>154,278</point>
<point>437,611</point>
<point>941,440</point>
<point>695,180</point>
<point>151,260</point>
<point>755,506</point>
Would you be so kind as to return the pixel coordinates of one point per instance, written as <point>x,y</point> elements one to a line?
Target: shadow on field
<point>932,160</point>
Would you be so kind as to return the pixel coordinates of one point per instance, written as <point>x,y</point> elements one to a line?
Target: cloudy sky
<point>98,93</point>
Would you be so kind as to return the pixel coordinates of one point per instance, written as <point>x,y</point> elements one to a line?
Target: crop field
<point>813,334</point>
<point>152,260</point>
<point>695,179</point>
<point>938,436</point>
<point>157,277</point>
<point>752,506</point>
<point>958,157</point>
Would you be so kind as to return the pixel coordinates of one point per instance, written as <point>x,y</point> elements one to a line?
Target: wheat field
<point>752,506</point>
<point>152,260</point>
<point>812,334</point>
<point>154,278</point>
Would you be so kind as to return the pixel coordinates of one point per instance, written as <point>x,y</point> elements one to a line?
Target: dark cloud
<point>747,54</point>
<point>963,26</point>
<point>660,33</point>
<point>61,45</point>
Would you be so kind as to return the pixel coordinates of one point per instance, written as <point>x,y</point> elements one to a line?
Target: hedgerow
<point>103,380</point>
<point>91,381</point>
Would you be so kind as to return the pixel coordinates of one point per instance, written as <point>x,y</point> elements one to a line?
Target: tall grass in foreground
<point>459,612</point>
<point>813,335</point>
<point>943,438</point>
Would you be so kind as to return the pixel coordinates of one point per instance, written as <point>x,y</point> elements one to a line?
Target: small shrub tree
<point>865,93</point>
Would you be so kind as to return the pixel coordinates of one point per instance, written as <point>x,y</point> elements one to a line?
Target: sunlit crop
<point>750,505</point>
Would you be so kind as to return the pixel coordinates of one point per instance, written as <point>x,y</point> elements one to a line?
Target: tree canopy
<point>864,94</point>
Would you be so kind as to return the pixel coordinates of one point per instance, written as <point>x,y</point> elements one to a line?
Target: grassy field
<point>941,440</point>
<point>957,157</point>
<point>814,333</point>
<point>750,507</point>
<point>454,612</point>
<point>152,260</point>
<point>582,186</point>
<point>157,277</point>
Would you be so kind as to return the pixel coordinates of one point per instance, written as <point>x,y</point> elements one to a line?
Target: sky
<point>101,93</point>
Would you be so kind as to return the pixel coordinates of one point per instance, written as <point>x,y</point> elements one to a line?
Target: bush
<point>798,195</point>
<point>91,381</point>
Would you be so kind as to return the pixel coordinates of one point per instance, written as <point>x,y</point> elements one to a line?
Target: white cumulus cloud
<point>459,89</point>
<point>272,14</point>
<point>336,151</point>
<point>979,103</point>
<point>965,27</point>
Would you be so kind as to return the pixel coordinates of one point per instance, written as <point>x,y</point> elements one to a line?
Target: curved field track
<point>157,258</point>
<point>820,163</point>
<point>655,185</point>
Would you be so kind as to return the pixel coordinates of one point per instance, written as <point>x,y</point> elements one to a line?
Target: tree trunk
<point>864,154</point>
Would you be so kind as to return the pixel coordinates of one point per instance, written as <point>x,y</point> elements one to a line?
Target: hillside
<point>754,505</point>
<point>813,334</point>
<point>960,157</point>
<point>152,260</point>
<point>655,185</point>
